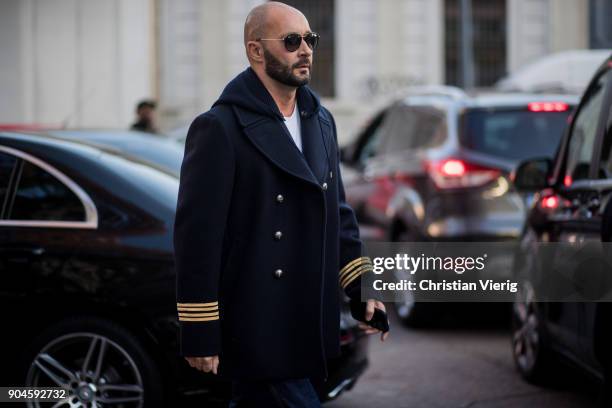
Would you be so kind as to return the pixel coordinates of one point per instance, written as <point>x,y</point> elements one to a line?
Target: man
<point>263,237</point>
<point>145,117</point>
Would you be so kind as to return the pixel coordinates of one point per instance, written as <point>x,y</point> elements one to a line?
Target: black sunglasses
<point>294,40</point>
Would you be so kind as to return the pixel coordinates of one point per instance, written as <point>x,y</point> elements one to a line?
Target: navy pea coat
<point>263,237</point>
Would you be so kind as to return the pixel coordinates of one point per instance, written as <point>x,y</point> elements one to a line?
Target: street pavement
<point>456,365</point>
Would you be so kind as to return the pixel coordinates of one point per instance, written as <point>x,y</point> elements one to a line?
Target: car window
<point>7,162</point>
<point>413,127</point>
<point>606,150</point>
<point>41,197</point>
<point>369,140</point>
<point>583,132</point>
<point>513,134</point>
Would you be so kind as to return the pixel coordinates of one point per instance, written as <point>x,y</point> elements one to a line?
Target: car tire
<point>95,359</point>
<point>533,357</point>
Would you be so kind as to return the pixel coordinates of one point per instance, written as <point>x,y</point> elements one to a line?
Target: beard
<point>284,73</point>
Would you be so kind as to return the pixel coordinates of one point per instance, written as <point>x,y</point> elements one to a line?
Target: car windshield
<point>514,135</point>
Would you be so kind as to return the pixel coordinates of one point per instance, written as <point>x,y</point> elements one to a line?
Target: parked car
<point>566,71</point>
<point>156,150</point>
<point>435,166</point>
<point>88,290</point>
<point>572,205</point>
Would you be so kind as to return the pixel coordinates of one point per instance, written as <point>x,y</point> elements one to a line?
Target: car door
<point>359,185</point>
<point>580,220</point>
<point>41,209</point>
<point>392,158</point>
<point>596,217</point>
<point>7,176</point>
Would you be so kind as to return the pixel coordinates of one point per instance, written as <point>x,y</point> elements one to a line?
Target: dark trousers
<point>294,393</point>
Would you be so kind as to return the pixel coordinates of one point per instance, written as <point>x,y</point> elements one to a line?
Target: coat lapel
<point>314,144</point>
<point>271,138</point>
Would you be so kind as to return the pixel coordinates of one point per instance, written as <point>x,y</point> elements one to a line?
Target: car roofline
<point>485,100</point>
<point>87,145</point>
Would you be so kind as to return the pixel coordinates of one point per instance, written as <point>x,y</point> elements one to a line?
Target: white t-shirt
<point>293,125</point>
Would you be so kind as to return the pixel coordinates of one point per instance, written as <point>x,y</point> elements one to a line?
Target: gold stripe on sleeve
<point>198,319</point>
<point>199,314</point>
<point>198,309</point>
<point>353,263</point>
<point>198,304</point>
<point>353,275</point>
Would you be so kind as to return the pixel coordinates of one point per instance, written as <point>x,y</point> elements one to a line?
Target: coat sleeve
<point>352,263</point>
<point>205,189</point>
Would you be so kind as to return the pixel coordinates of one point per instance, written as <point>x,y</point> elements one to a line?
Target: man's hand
<point>370,306</point>
<point>206,364</point>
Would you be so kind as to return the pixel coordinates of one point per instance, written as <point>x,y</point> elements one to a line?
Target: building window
<point>600,29</point>
<point>320,15</point>
<point>489,41</point>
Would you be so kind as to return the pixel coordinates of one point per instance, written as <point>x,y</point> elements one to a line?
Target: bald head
<point>267,15</point>
<point>264,30</point>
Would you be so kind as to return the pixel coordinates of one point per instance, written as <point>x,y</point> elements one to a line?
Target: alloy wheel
<point>96,371</point>
<point>526,336</point>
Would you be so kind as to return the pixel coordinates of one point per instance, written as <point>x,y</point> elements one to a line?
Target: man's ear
<point>254,51</point>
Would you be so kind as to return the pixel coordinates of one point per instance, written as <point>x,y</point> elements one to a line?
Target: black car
<point>88,283</point>
<point>435,166</point>
<point>572,206</point>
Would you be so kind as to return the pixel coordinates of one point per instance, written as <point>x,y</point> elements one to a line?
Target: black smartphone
<point>379,321</point>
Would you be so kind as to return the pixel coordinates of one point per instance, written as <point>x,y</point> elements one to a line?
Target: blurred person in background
<point>145,116</point>
<point>263,237</point>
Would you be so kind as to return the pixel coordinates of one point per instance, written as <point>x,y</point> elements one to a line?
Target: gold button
<point>278,273</point>
<point>278,235</point>
<point>324,186</point>
<point>280,198</point>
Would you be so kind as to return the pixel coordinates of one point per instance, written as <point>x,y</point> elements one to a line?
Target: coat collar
<point>271,137</point>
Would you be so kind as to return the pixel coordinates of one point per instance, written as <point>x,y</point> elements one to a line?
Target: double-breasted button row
<point>277,236</point>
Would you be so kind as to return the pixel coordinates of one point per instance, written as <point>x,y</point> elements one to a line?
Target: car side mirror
<point>343,154</point>
<point>532,175</point>
<point>347,155</point>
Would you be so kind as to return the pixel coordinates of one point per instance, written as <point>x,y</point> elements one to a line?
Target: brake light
<point>550,202</point>
<point>452,168</point>
<point>456,173</point>
<point>547,106</point>
<point>567,180</point>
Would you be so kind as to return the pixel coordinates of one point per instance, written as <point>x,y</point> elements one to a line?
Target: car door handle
<point>586,209</point>
<point>593,203</point>
<point>37,251</point>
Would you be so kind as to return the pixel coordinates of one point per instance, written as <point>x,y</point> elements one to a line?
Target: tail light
<point>549,202</point>
<point>456,173</point>
<point>547,106</point>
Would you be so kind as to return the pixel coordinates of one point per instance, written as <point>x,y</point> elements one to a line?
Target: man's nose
<point>304,50</point>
